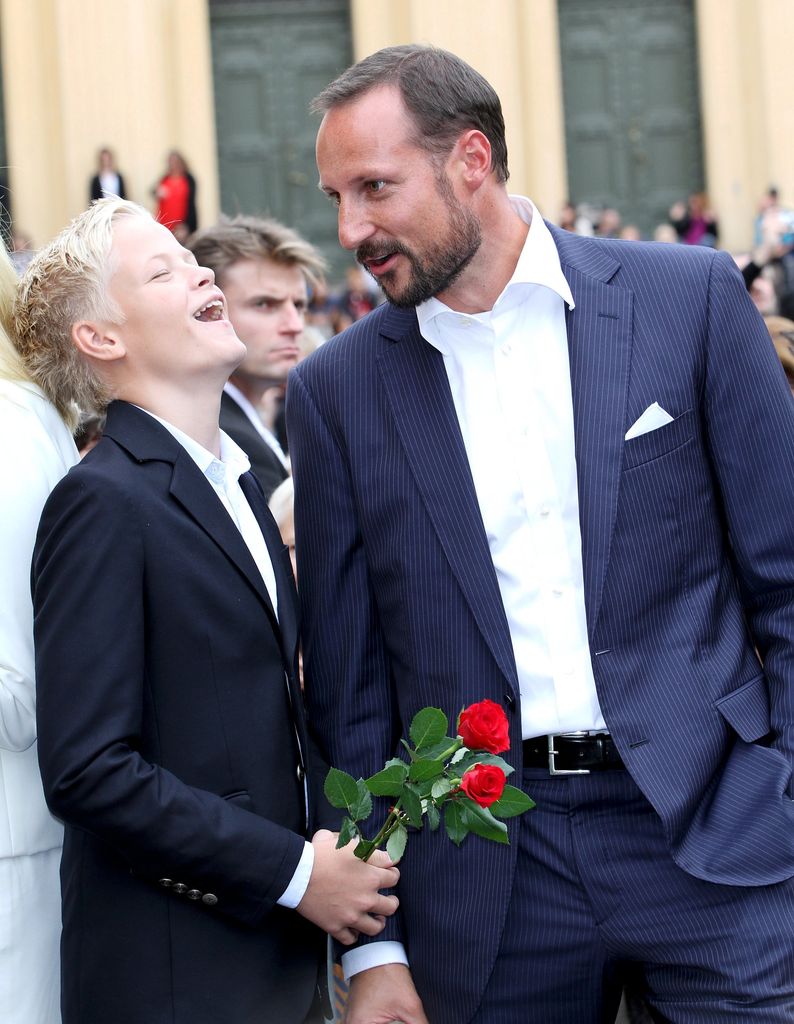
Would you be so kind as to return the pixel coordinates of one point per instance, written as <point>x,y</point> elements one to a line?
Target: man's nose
<point>293,320</point>
<point>354,226</point>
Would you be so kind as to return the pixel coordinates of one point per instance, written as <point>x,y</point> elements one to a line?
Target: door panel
<point>632,106</point>
<point>270,58</point>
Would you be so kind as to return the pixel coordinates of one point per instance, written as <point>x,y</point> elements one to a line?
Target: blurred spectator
<point>319,312</point>
<point>630,233</point>
<point>694,222</point>
<point>107,181</point>
<point>608,224</point>
<point>665,233</point>
<point>356,300</point>
<point>578,219</point>
<point>567,217</point>
<point>762,292</point>
<point>37,451</point>
<point>264,270</point>
<point>176,197</point>
<point>781,331</point>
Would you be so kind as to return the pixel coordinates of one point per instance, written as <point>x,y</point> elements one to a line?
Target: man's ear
<point>473,150</point>
<point>97,342</point>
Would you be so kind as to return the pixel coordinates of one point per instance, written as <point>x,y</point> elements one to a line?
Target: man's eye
<point>160,273</point>
<point>376,186</point>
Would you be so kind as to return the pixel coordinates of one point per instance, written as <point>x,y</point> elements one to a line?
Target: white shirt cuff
<point>374,954</point>
<point>299,882</point>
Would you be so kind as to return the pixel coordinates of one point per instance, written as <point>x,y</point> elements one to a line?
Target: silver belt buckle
<point>554,770</point>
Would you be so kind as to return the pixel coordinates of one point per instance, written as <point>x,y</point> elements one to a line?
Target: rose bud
<point>484,726</point>
<point>484,784</point>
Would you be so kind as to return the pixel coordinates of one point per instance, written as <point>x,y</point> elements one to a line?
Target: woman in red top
<point>176,196</point>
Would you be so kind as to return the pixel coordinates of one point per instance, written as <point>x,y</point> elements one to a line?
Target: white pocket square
<point>653,418</point>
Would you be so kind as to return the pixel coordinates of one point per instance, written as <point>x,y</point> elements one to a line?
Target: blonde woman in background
<point>37,450</point>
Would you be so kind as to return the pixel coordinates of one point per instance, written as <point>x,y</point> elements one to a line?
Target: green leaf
<point>457,830</point>
<point>428,727</point>
<point>442,750</point>
<point>341,789</point>
<point>440,788</point>
<point>482,822</point>
<point>363,805</point>
<point>347,832</point>
<point>424,770</point>
<point>395,847</point>
<point>388,781</point>
<point>512,802</point>
<point>364,849</point>
<point>411,803</point>
<point>433,817</point>
<point>472,757</point>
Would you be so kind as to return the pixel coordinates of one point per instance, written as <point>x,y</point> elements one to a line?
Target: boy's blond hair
<point>65,283</point>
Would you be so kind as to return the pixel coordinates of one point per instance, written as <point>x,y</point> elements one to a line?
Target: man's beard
<point>440,265</point>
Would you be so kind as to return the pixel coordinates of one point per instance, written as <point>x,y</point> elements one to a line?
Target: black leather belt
<point>573,753</point>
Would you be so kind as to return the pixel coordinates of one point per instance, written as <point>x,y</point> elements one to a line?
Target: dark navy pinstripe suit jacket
<point>688,549</point>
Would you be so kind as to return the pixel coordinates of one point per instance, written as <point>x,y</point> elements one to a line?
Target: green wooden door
<point>270,58</point>
<point>632,106</point>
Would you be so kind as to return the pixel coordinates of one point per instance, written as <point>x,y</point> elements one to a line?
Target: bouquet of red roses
<point>461,777</point>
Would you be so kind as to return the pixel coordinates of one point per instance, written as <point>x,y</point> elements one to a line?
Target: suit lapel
<point>418,391</point>
<point>147,440</point>
<point>194,493</point>
<point>599,343</point>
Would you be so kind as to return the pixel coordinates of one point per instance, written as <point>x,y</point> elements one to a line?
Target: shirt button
<point>301,774</point>
<point>544,510</point>
<point>506,349</point>
<point>557,591</point>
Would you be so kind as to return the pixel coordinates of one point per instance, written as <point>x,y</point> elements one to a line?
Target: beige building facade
<point>137,75</point>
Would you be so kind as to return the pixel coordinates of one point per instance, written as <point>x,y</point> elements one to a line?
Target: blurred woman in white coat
<point>37,450</point>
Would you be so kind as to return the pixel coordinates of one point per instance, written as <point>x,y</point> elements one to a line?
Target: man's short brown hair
<point>234,239</point>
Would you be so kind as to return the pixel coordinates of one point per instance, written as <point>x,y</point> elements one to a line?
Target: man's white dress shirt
<point>224,476</point>
<point>510,379</point>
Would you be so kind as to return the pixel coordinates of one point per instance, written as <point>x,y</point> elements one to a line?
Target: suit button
<point>194,894</point>
<point>209,898</point>
<point>180,887</point>
<point>166,882</point>
<point>299,771</point>
<point>510,700</point>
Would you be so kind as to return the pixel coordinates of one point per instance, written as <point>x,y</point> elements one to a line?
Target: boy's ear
<point>92,340</point>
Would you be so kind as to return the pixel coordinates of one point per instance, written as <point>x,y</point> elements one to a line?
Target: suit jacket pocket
<point>240,798</point>
<point>746,709</point>
<point>658,442</point>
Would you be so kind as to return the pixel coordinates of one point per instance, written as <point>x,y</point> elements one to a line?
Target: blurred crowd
<point>768,268</point>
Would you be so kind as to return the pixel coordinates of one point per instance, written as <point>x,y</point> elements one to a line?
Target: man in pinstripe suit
<point>555,472</point>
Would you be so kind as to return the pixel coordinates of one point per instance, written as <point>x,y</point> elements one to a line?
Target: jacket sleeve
<point>346,666</point>
<point>91,612</point>
<point>749,418</point>
<point>25,489</point>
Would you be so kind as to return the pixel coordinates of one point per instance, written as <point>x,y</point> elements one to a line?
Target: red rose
<point>483,726</point>
<point>484,784</point>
